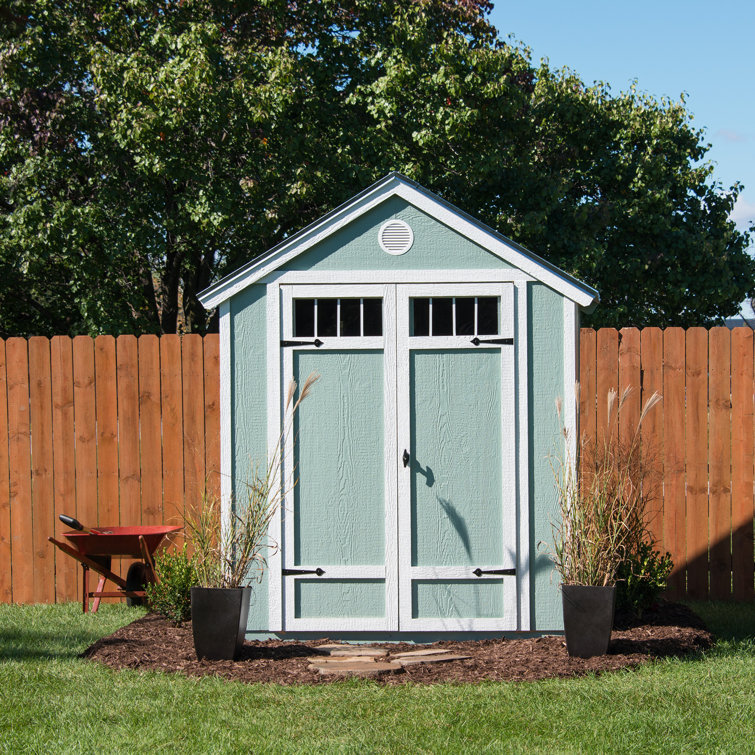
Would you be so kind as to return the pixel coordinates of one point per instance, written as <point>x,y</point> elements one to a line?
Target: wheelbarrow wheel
<point>135,580</point>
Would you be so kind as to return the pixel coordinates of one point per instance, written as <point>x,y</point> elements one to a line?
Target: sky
<point>701,48</point>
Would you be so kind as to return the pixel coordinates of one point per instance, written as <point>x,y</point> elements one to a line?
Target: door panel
<point>455,409</point>
<point>339,510</point>
<point>345,598</point>
<point>458,599</point>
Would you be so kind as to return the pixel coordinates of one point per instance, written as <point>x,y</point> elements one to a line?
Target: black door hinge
<point>317,342</point>
<point>505,341</point>
<point>506,572</point>
<point>295,572</point>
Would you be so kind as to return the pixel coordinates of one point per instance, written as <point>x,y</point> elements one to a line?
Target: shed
<point>423,456</point>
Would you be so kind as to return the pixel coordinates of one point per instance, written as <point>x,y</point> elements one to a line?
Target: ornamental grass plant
<point>605,504</point>
<point>228,550</point>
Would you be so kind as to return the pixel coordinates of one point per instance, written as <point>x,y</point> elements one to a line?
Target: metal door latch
<point>506,572</point>
<point>405,458</point>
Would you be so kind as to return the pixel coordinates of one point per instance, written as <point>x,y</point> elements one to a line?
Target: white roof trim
<point>397,185</point>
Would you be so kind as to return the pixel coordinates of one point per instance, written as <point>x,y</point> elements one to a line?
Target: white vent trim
<point>395,237</point>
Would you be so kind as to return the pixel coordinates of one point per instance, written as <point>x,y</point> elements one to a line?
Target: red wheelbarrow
<point>94,548</point>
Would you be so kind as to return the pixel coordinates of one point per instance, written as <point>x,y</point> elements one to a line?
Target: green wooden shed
<point>423,456</point>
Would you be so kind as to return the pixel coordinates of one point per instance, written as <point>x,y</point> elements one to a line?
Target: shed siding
<point>435,246</point>
<point>249,408</point>
<point>546,383</point>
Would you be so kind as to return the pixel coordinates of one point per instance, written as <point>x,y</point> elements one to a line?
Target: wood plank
<point>696,448</point>
<point>742,455</point>
<point>19,459</point>
<point>629,383</point>
<point>6,582</point>
<point>107,431</point>
<point>212,412</point>
<point>607,379</point>
<point>651,360</point>
<point>674,421</point>
<point>587,387</point>
<point>129,477</point>
<point>106,378</point>
<point>64,457</point>
<point>719,462</point>
<point>193,417</point>
<point>172,426</point>
<point>85,419</point>
<point>129,472</point>
<point>149,420</point>
<point>43,508</point>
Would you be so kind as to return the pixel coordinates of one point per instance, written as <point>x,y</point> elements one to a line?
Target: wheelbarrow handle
<point>69,521</point>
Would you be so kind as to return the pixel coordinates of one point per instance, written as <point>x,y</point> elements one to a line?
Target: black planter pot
<point>588,619</point>
<point>218,621</point>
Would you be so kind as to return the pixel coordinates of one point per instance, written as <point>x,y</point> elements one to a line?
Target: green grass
<point>52,701</point>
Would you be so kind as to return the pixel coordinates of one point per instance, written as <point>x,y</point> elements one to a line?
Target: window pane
<point>487,316</point>
<point>373,317</point>
<point>465,316</point>
<point>304,318</point>
<point>350,325</point>
<point>326,317</point>
<point>420,317</point>
<point>442,317</point>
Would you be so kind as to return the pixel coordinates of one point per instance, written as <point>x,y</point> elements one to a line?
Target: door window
<point>455,316</point>
<point>337,318</point>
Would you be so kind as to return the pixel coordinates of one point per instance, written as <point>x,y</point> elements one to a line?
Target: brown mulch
<point>152,643</point>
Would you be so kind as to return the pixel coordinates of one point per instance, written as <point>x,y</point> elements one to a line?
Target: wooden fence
<point>127,430</point>
<point>105,429</point>
<point>702,433</point>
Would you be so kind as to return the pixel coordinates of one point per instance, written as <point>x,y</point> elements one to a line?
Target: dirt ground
<point>153,643</point>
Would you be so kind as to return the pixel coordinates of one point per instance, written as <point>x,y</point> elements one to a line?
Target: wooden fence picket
<point>19,461</point>
<point>674,432</point>
<point>42,508</point>
<point>64,458</point>
<point>742,456</point>
<point>719,462</point>
<point>6,582</point>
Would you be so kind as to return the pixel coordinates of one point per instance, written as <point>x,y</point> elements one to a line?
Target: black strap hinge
<point>295,572</point>
<point>506,572</point>
<point>317,342</point>
<point>505,341</point>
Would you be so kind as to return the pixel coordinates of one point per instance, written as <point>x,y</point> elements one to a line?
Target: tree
<point>149,147</point>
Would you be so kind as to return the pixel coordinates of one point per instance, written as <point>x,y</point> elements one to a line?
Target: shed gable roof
<point>394,184</point>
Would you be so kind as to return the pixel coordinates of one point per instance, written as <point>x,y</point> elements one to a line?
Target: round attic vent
<point>395,237</point>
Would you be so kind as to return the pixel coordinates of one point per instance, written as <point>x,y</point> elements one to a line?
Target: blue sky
<point>701,48</point>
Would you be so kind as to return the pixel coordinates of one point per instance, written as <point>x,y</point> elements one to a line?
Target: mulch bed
<point>152,643</point>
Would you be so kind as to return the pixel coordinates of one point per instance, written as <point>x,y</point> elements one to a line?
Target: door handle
<point>405,458</point>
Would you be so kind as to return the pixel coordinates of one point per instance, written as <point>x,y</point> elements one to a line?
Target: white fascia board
<point>394,185</point>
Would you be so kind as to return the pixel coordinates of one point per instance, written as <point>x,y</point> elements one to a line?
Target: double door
<point>400,474</point>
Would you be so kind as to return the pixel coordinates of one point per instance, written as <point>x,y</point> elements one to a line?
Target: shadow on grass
<point>55,632</point>
<point>734,622</point>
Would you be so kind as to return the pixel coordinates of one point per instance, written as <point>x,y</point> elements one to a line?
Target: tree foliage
<point>147,147</point>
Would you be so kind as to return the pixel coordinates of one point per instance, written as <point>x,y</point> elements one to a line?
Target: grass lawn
<point>51,701</point>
